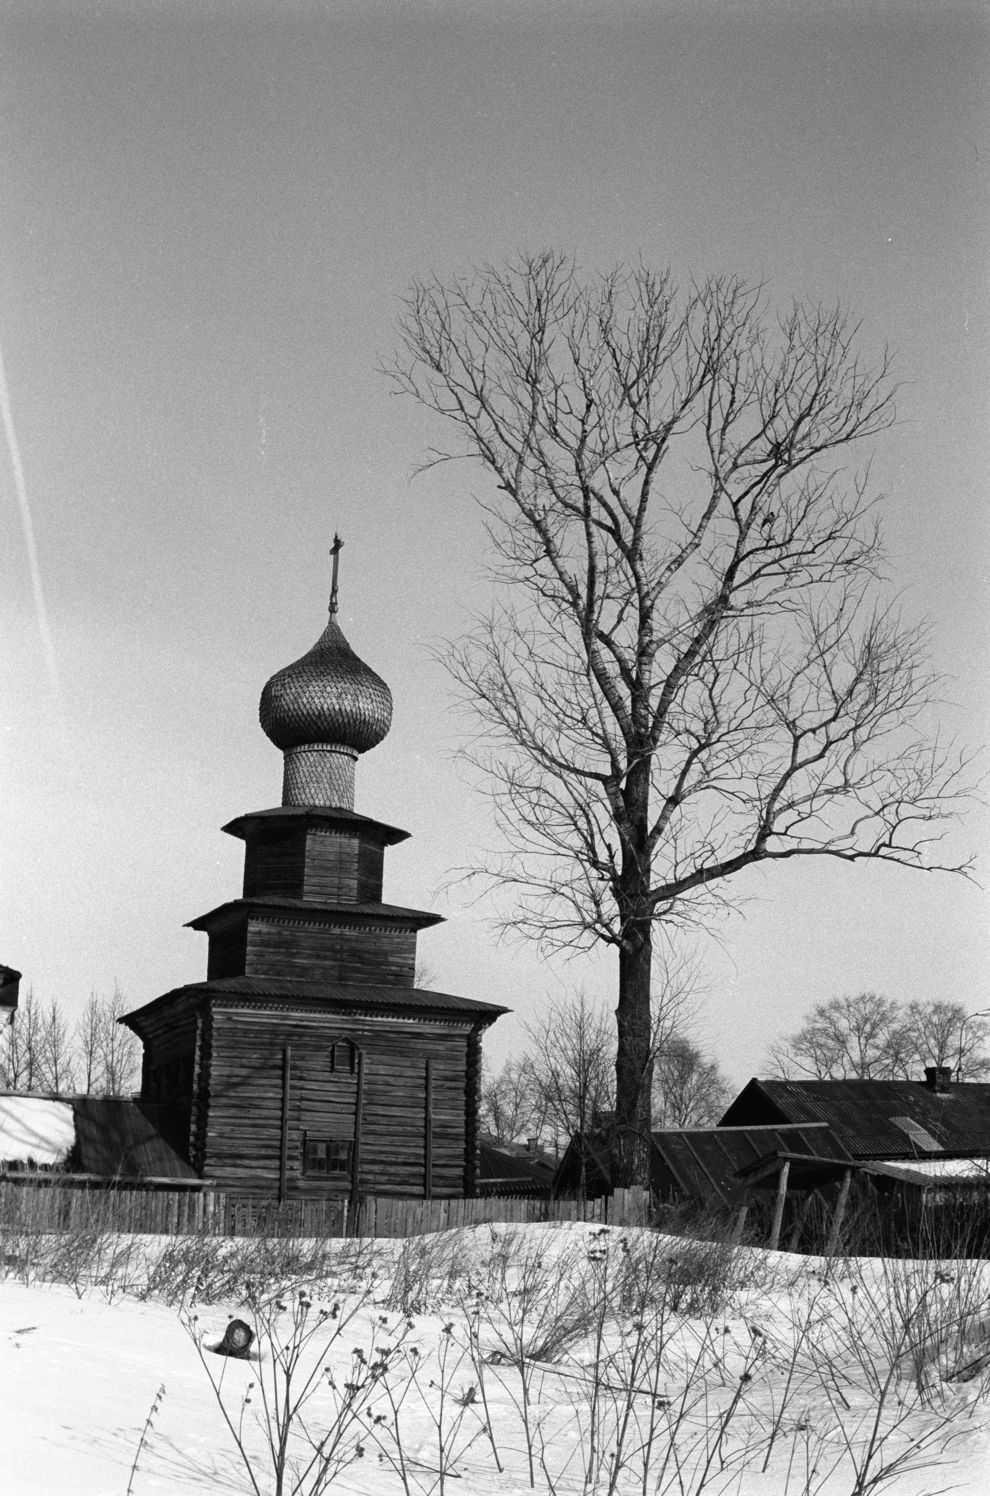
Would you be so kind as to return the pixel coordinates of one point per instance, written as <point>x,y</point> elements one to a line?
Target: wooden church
<point>308,1063</point>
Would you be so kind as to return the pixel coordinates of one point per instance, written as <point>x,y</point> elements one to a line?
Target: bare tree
<point>119,1050</point>
<point>871,1037</point>
<point>89,1033</point>
<point>98,1055</point>
<point>685,672</point>
<point>57,1068</point>
<point>424,974</point>
<point>689,1090</point>
<point>571,1060</point>
<point>946,1034</point>
<point>511,1104</point>
<point>21,1063</point>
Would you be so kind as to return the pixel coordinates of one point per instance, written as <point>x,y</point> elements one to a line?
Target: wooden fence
<point>65,1204</point>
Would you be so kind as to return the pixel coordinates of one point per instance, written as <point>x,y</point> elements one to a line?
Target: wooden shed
<point>704,1165</point>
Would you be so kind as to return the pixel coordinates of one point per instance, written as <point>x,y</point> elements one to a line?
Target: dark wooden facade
<point>308,1064</point>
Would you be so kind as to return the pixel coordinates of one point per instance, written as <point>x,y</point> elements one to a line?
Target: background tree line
<point>564,1081</point>
<point>42,1051</point>
<point>872,1037</point>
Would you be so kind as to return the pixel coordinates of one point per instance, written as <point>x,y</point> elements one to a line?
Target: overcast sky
<point>207,215</point>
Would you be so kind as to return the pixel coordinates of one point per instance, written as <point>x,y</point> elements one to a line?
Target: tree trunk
<point>634,1057</point>
<point>633,1061</point>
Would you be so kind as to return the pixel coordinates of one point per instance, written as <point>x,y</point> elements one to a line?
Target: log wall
<point>319,863</point>
<point>254,1122</point>
<point>228,952</point>
<point>169,1061</point>
<point>287,947</point>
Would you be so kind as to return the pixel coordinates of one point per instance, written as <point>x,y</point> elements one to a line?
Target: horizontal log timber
<point>324,864</point>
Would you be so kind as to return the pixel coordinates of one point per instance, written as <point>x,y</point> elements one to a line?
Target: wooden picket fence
<point>50,1203</point>
<point>59,1203</point>
<point>378,1216</point>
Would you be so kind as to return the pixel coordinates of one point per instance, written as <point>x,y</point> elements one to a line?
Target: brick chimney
<point>938,1078</point>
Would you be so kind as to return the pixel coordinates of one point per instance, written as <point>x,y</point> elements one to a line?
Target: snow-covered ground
<point>615,1361</point>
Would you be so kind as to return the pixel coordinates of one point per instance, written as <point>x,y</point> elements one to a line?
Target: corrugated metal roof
<point>330,995</point>
<point>127,1139</point>
<point>508,1173</point>
<point>705,1162</point>
<point>861,1112</point>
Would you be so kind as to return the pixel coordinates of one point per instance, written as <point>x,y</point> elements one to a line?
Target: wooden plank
<point>283,1152</point>
<point>428,1134</point>
<point>840,1210</point>
<point>358,1118</point>
<point>778,1206</point>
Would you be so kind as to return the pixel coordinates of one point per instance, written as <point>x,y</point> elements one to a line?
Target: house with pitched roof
<point>878,1119</point>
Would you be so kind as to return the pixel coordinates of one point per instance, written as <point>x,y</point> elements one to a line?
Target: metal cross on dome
<point>335,550</point>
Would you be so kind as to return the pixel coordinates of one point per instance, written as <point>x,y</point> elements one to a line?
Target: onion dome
<point>327,696</point>
<point>322,711</point>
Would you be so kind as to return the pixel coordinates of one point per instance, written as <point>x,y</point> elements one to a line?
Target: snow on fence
<point>53,1203</point>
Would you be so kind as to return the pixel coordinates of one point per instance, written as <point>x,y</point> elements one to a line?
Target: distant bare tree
<point>21,1062</point>
<point>943,1033</point>
<point>847,1038</point>
<point>571,1059</point>
<point>690,668</point>
<point>511,1106</point>
<point>57,1068</point>
<point>689,1090</point>
<point>89,1035</point>
<point>424,975</point>
<point>98,1056</point>
<point>120,1049</point>
<point>871,1037</point>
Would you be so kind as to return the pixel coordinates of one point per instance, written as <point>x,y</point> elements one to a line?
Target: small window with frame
<point>343,1057</point>
<point>326,1156</point>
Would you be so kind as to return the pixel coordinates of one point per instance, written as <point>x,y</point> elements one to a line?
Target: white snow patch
<point>34,1130</point>
<point>932,1170</point>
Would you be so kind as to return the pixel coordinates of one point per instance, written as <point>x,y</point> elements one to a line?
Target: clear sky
<point>207,214</point>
